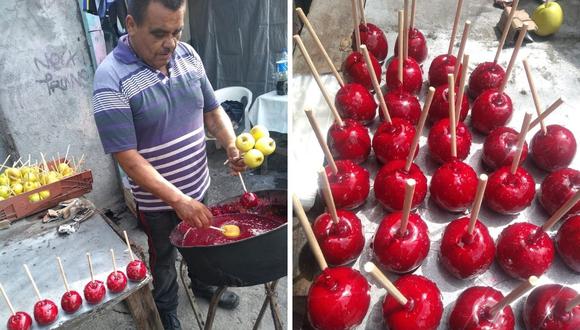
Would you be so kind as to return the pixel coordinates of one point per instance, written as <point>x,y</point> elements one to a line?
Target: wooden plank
<point>142,308</point>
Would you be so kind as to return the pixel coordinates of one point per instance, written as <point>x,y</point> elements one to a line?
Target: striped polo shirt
<point>138,107</point>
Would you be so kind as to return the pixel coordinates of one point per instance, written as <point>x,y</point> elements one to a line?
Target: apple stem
<point>459,98</point>
<point>12,310</point>
<point>5,161</point>
<point>452,125</point>
<point>327,193</point>
<point>521,141</point>
<point>299,212</point>
<point>506,29</point>
<point>355,22</point>
<point>242,181</point>
<point>371,268</point>
<point>62,274</point>
<point>128,245</point>
<point>33,283</point>
<point>406,30</point>
<point>413,8</point>
<point>90,267</point>
<point>546,112</point>
<point>454,28</point>
<point>361,8</point>
<point>329,101</point>
<point>320,138</point>
<point>534,94</point>
<point>477,203</point>
<point>419,128</point>
<point>407,203</point>
<point>401,41</point>
<point>572,303</point>
<point>461,50</point>
<point>376,85</point>
<point>114,262</point>
<point>561,211</point>
<point>508,71</point>
<point>514,295</point>
<point>306,23</point>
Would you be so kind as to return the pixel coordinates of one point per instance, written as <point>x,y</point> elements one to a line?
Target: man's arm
<point>146,176</point>
<point>219,125</point>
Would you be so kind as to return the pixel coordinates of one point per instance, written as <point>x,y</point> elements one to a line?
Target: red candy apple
<point>340,242</point>
<point>440,105</point>
<point>412,76</point>
<point>567,242</point>
<point>375,40</point>
<point>509,193</point>
<point>441,66</point>
<point>71,301</point>
<point>558,187</point>
<point>553,150</point>
<point>338,299</point>
<point>355,69</point>
<point>545,309</point>
<point>472,311</point>
<point>116,282</point>
<point>500,147</point>
<point>424,307</point>
<point>487,75</point>
<point>19,321</point>
<point>136,270</point>
<point>524,249</point>
<point>402,105</point>
<point>390,181</point>
<point>350,186</point>
<point>349,141</point>
<point>491,109</point>
<point>94,292</point>
<point>439,141</point>
<point>45,312</point>
<point>249,200</point>
<point>354,101</point>
<point>453,186</point>
<point>417,45</point>
<point>392,141</point>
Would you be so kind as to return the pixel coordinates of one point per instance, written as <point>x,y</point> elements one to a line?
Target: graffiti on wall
<point>59,70</point>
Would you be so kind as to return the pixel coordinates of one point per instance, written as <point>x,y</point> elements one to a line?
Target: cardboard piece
<point>520,18</point>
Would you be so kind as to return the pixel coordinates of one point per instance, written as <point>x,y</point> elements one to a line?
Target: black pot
<point>247,262</point>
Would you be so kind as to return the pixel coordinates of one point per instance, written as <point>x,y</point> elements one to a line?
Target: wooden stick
<point>477,203</point>
<point>329,101</point>
<point>452,126</point>
<point>506,29</point>
<point>377,87</point>
<point>419,128</point>
<point>33,283</point>
<point>66,155</point>
<point>320,138</point>
<point>572,303</point>
<point>46,169</point>
<point>355,21</point>
<point>306,23</point>
<point>19,160</point>
<point>561,211</point>
<point>242,181</point>
<point>12,310</point>
<point>5,161</point>
<point>401,41</point>
<point>361,9</point>
<point>546,112</point>
<point>461,49</point>
<point>413,8</point>
<point>454,28</point>
<point>28,161</point>
<point>62,274</point>
<point>90,267</point>
<point>519,42</point>
<point>327,193</point>
<point>535,96</point>
<point>58,159</point>
<point>299,212</point>
<point>409,191</point>
<point>406,30</point>
<point>459,99</point>
<point>80,163</point>
<point>114,261</point>
<point>521,141</point>
<point>381,278</point>
<point>514,294</point>
<point>128,245</point>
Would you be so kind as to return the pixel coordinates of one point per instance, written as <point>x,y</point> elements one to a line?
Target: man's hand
<point>236,162</point>
<point>193,212</point>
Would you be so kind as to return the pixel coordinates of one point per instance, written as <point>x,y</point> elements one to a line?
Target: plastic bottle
<point>282,72</point>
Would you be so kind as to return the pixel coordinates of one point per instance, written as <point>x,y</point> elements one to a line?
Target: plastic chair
<point>236,93</point>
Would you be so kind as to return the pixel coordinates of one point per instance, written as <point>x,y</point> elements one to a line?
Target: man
<point>151,100</point>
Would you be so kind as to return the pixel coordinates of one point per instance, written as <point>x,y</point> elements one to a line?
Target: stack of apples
<point>255,145</point>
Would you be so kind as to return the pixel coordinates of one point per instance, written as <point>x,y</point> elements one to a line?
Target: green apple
<point>4,191</point>
<point>34,198</point>
<point>28,186</point>
<point>253,158</point>
<point>4,180</point>
<point>44,194</point>
<point>259,132</point>
<point>548,17</point>
<point>29,177</point>
<point>266,145</point>
<point>245,142</point>
<point>17,188</point>
<point>13,173</point>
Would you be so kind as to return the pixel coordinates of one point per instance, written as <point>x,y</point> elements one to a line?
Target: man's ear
<point>130,24</point>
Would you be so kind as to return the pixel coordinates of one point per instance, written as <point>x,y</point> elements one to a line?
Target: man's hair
<point>137,8</point>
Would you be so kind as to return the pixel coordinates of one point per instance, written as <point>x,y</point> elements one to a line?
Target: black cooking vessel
<point>248,262</point>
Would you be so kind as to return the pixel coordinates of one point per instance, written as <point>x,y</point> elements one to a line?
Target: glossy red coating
<point>545,309</point>
<point>490,110</point>
<point>249,200</point>
<point>441,66</point>
<point>136,270</point>
<point>508,193</point>
<point>554,150</point>
<point>354,101</point>
<point>351,186</point>
<point>374,38</point>
<point>412,76</point>
<point>439,141</point>
<point>423,309</point>
<point>558,187</point>
<point>401,253</point>
<point>417,49</point>
<point>116,282</point>
<point>45,312</point>
<point>472,311</point>
<point>464,255</point>
<point>392,141</point>
<point>567,242</point>
<point>390,181</point>
<point>440,105</point>
<point>71,301</point>
<point>354,69</point>
<point>500,146</point>
<point>524,249</point>
<point>341,243</point>
<point>486,76</point>
<point>453,186</point>
<point>338,299</point>
<point>19,321</point>
<point>402,105</point>
<point>94,292</point>
<point>350,141</point>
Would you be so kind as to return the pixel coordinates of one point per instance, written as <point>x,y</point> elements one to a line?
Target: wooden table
<point>36,244</point>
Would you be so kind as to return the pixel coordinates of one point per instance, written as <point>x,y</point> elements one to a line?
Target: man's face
<point>155,39</point>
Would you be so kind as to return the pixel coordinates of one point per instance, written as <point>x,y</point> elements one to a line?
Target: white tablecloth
<point>270,110</point>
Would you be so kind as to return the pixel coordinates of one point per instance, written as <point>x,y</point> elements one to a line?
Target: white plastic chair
<point>234,93</point>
